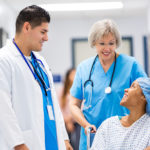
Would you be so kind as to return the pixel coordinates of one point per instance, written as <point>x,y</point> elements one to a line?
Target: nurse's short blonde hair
<point>103,28</point>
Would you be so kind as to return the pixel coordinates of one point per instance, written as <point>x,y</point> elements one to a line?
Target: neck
<point>132,117</point>
<point>135,115</point>
<point>22,45</point>
<point>107,63</point>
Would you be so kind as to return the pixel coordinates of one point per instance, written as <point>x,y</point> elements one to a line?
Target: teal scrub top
<point>49,125</point>
<point>104,105</point>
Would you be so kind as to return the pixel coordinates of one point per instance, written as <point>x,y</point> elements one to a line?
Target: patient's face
<point>132,96</point>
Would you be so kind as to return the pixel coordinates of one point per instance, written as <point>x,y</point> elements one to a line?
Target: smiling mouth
<point>106,53</point>
<point>125,95</point>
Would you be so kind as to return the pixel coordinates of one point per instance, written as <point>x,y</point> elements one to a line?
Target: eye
<point>42,32</point>
<point>101,44</point>
<point>133,86</point>
<point>111,43</point>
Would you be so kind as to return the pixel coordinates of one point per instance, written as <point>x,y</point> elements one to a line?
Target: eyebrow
<point>45,30</point>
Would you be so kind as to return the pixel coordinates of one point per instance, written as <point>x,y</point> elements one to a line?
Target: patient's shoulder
<point>112,121</point>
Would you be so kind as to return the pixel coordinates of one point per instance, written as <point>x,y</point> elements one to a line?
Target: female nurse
<point>100,81</point>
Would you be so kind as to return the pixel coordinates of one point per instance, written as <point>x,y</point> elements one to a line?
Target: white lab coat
<point>21,104</point>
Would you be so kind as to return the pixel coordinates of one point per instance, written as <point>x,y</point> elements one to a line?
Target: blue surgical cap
<point>144,83</point>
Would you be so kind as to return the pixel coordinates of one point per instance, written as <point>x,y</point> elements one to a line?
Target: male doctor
<point>30,117</point>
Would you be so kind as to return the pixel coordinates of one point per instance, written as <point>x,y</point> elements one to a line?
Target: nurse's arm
<point>147,148</point>
<point>75,108</point>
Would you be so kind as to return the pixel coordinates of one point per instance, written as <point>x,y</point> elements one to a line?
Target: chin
<point>122,102</point>
<point>38,49</point>
<point>107,58</point>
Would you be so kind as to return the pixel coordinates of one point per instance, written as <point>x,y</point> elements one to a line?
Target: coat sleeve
<point>60,120</point>
<point>58,113</point>
<point>9,128</point>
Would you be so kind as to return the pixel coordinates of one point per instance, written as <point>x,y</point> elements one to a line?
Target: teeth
<point>105,53</point>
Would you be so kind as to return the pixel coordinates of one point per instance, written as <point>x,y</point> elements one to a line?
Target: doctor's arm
<point>9,126</point>
<point>75,105</point>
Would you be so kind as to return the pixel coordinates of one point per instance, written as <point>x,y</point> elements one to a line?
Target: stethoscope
<point>107,89</point>
<point>34,71</point>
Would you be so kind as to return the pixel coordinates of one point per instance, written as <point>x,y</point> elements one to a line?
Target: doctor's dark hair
<point>33,14</point>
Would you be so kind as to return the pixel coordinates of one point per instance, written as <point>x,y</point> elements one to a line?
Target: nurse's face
<point>106,47</point>
<point>37,36</point>
<point>133,97</point>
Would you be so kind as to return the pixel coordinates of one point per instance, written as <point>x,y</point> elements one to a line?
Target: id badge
<point>50,112</point>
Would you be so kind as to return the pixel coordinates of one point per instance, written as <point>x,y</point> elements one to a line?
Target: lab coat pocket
<point>28,138</point>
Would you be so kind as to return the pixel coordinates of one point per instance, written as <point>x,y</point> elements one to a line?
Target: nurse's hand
<point>93,128</point>
<point>21,147</point>
<point>68,145</point>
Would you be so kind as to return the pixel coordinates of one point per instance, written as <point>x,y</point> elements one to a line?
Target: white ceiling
<point>131,7</point>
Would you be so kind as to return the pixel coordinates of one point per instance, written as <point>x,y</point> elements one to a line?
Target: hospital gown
<point>111,135</point>
<point>104,105</point>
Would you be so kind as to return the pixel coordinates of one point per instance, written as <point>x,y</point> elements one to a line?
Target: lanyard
<point>35,73</point>
<point>25,59</point>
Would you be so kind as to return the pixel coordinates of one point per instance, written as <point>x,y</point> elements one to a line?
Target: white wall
<point>57,50</point>
<point>7,19</point>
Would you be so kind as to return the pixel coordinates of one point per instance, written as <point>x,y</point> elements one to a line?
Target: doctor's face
<point>106,47</point>
<point>37,36</point>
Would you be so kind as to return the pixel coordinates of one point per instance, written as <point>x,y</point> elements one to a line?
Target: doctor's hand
<point>21,147</point>
<point>93,128</point>
<point>68,145</point>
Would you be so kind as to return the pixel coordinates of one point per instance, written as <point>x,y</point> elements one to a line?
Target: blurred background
<point>68,30</point>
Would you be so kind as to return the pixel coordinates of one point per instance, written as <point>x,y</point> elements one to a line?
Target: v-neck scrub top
<point>104,105</point>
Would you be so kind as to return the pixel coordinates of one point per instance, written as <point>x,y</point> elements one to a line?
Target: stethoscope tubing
<point>89,79</point>
<point>92,84</point>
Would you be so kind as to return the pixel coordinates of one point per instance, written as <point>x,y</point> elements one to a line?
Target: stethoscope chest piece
<point>108,90</point>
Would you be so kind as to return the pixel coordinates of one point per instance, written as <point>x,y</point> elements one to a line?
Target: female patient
<point>131,132</point>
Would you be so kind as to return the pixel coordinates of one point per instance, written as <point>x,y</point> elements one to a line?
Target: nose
<point>45,37</point>
<point>106,46</point>
<point>126,90</point>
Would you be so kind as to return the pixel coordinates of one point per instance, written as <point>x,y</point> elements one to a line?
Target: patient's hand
<point>147,148</point>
